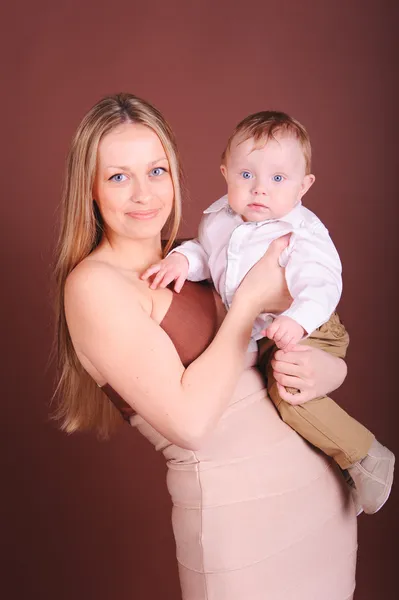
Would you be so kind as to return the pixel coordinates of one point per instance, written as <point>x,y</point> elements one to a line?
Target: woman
<point>257,512</point>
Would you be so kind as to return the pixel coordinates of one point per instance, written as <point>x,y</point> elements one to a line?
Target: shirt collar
<point>223,202</point>
<point>294,217</point>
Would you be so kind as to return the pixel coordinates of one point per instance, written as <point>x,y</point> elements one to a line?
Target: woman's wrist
<point>239,319</point>
<point>245,308</point>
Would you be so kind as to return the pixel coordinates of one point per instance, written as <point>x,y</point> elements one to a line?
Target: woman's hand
<point>311,371</point>
<point>264,288</point>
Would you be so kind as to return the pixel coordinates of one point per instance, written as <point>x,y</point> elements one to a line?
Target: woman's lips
<point>143,215</point>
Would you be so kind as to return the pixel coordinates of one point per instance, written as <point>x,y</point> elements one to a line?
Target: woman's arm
<point>110,328</point>
<point>312,371</point>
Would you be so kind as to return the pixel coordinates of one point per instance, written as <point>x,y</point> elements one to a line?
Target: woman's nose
<point>141,192</point>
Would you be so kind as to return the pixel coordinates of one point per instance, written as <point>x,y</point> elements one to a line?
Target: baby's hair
<point>264,125</point>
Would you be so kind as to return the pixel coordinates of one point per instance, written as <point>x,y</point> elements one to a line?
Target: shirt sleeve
<point>314,277</point>
<point>196,254</point>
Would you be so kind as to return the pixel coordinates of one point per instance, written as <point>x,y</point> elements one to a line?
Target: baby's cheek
<point>236,198</point>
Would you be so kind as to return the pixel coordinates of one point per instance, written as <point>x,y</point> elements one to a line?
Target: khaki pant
<point>321,421</point>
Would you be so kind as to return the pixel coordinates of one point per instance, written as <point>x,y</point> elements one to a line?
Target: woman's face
<point>133,186</point>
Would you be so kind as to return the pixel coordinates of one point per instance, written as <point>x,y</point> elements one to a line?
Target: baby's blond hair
<point>264,125</point>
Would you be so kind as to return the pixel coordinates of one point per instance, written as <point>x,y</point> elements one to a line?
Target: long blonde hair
<point>80,402</point>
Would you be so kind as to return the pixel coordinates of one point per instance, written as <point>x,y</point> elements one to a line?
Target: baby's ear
<point>223,170</point>
<point>307,183</point>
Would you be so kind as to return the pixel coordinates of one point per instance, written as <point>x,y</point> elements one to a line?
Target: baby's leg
<point>321,421</point>
<point>328,427</point>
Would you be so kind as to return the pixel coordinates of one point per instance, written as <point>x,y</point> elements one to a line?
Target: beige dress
<point>258,514</point>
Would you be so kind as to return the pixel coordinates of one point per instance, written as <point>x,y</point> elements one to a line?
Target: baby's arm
<point>313,273</point>
<point>188,261</point>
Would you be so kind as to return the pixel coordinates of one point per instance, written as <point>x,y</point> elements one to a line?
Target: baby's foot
<point>373,477</point>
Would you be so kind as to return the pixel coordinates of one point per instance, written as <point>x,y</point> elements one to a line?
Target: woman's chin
<point>143,229</point>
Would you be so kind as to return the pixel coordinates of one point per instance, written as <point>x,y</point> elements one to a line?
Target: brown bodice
<point>191,323</point>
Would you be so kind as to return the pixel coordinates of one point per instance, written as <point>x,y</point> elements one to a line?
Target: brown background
<point>83,519</point>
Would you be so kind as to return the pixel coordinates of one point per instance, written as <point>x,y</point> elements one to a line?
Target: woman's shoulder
<point>98,298</point>
<point>89,278</point>
<point>95,280</point>
<point>90,272</point>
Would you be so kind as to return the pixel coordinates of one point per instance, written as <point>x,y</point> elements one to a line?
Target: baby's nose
<point>260,190</point>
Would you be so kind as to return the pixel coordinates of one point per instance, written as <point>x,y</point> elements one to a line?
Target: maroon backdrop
<point>83,519</point>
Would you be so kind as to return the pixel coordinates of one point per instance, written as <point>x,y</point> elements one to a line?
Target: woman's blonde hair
<point>81,403</point>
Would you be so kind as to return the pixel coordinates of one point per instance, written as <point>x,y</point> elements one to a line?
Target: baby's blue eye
<point>118,177</point>
<point>158,171</point>
<point>246,175</point>
<point>278,178</point>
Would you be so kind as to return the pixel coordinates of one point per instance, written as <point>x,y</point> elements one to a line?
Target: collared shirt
<point>227,247</point>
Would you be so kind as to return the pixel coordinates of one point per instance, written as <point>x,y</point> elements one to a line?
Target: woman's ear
<point>307,183</point>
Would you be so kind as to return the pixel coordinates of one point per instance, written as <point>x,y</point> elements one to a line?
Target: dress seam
<point>247,566</point>
<point>252,498</point>
<point>235,461</point>
<point>221,571</point>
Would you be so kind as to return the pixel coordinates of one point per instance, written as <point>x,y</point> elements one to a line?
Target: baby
<point>267,167</point>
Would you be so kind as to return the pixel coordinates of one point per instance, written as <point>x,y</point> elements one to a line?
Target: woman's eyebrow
<point>126,168</point>
<point>120,167</point>
<point>157,161</point>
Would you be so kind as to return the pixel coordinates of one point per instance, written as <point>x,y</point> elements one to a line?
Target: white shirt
<point>227,247</point>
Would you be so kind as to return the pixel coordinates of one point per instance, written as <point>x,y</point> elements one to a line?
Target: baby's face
<point>266,181</point>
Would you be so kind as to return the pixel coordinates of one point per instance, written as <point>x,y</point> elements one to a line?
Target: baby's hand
<point>285,332</point>
<point>172,268</point>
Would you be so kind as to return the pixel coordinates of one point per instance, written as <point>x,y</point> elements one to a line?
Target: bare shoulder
<point>95,284</point>
<point>99,298</point>
<point>88,277</point>
<point>92,276</point>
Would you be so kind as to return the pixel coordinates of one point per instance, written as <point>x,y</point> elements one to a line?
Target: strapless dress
<point>258,513</point>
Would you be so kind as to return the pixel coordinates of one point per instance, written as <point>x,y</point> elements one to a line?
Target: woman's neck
<point>128,254</point>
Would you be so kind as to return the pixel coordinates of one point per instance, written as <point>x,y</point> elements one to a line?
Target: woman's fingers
<point>295,369</point>
<point>277,246</point>
<point>309,370</point>
<point>286,368</point>
<point>293,399</point>
<point>289,380</point>
<point>295,356</point>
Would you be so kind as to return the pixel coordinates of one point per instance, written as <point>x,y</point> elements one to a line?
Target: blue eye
<point>246,175</point>
<point>158,171</point>
<point>278,178</point>
<point>118,177</point>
